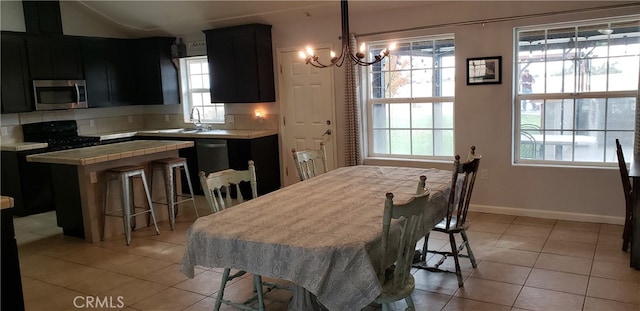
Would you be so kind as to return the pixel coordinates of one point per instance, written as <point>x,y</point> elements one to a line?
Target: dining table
<point>322,234</point>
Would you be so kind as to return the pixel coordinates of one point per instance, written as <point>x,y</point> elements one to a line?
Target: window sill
<point>406,162</point>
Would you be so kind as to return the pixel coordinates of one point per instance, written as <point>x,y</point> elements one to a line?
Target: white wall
<point>483,114</point>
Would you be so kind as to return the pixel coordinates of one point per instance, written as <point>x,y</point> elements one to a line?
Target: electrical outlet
<point>92,123</point>
<point>229,119</point>
<point>93,177</point>
<point>4,131</point>
<point>166,118</point>
<point>130,118</point>
<point>484,174</point>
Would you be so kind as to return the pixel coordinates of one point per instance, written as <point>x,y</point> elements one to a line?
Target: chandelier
<point>357,57</point>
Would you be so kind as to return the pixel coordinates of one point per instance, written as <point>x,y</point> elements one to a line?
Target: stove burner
<point>60,135</point>
<point>72,142</point>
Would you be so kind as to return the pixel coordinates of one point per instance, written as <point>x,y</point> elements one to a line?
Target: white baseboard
<point>547,214</point>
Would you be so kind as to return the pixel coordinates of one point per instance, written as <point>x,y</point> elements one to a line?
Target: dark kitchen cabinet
<point>11,284</point>
<point>158,76</point>
<point>54,57</point>
<point>241,64</point>
<point>29,183</point>
<point>129,71</point>
<point>94,55</point>
<point>109,70</point>
<point>265,154</point>
<point>42,17</point>
<point>123,78</point>
<point>16,90</point>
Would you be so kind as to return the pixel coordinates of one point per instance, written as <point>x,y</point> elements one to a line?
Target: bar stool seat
<point>124,175</point>
<point>167,167</point>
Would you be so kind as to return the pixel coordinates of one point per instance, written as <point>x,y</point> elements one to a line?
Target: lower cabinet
<point>265,154</point>
<point>206,156</point>
<point>29,183</point>
<point>12,297</point>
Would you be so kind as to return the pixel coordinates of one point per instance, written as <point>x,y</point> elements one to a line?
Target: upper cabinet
<point>16,90</point>
<point>109,72</point>
<point>54,57</point>
<point>241,64</point>
<point>159,85</point>
<point>129,71</point>
<point>42,17</point>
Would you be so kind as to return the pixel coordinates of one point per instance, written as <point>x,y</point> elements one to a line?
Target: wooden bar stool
<point>167,167</point>
<point>124,176</point>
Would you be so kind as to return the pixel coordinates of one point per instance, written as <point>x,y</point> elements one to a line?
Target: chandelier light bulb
<point>354,56</point>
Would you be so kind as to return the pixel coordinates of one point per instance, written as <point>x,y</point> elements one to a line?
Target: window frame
<point>574,98</point>
<point>368,102</point>
<point>187,91</point>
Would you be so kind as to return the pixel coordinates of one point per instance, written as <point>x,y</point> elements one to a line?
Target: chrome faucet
<point>198,124</point>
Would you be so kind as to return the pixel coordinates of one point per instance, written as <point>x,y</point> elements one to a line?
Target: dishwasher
<point>212,155</point>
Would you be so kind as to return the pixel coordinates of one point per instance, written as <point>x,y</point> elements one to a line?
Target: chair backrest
<point>624,173</point>
<point>307,162</point>
<point>412,230</point>
<point>469,170</point>
<point>217,186</point>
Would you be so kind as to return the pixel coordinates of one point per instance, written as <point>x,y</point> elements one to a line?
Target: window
<point>410,98</point>
<point>577,91</point>
<point>196,98</point>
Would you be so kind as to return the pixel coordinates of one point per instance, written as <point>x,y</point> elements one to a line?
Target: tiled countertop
<point>22,146</point>
<point>213,133</point>
<point>104,153</point>
<point>6,202</point>
<point>173,133</point>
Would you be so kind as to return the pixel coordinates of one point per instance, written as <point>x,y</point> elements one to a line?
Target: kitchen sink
<point>181,130</point>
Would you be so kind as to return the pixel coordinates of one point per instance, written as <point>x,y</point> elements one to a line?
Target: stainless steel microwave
<point>60,94</point>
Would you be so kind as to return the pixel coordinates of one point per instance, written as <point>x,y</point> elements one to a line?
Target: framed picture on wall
<point>484,70</point>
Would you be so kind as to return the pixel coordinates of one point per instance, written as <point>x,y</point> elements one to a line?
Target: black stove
<point>60,135</point>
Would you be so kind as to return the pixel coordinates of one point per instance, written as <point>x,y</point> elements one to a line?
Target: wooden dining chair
<point>307,162</point>
<point>396,280</point>
<point>626,187</point>
<point>217,188</point>
<point>456,220</point>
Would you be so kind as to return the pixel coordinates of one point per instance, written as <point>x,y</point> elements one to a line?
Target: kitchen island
<point>79,183</point>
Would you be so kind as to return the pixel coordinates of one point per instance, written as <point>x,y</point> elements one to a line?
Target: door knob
<point>327,132</point>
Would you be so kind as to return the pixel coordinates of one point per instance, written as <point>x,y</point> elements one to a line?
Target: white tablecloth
<point>322,234</point>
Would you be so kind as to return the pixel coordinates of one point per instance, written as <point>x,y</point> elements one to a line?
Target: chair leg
<point>257,283</point>
<point>410,305</point>
<point>126,208</point>
<point>454,250</point>
<point>425,248</point>
<point>223,283</point>
<point>626,234</point>
<point>148,195</point>
<point>466,244</point>
<point>193,201</point>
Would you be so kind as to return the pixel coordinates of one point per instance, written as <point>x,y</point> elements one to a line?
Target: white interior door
<point>307,107</point>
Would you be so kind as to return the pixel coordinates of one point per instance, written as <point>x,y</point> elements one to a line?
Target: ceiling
<point>180,17</point>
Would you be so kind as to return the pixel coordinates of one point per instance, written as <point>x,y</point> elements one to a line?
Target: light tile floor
<point>523,264</point>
